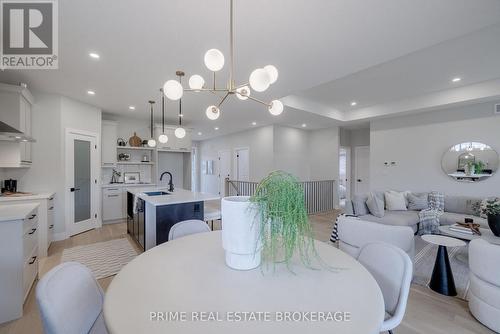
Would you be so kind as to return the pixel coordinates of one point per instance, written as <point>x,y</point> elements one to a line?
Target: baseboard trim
<point>59,236</point>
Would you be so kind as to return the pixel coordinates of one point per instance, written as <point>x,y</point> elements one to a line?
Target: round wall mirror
<point>470,162</point>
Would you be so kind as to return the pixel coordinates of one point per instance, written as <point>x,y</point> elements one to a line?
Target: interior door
<point>242,162</point>
<point>224,169</point>
<point>82,182</point>
<point>362,169</point>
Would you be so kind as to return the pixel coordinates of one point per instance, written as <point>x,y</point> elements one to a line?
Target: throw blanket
<point>429,218</point>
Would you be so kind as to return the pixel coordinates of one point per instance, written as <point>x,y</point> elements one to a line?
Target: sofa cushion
<point>359,205</point>
<point>460,204</point>
<point>418,201</point>
<point>449,218</point>
<point>395,201</point>
<point>375,205</point>
<point>398,218</point>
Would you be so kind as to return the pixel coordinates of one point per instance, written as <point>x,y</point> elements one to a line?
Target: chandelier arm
<point>223,99</point>
<point>259,101</point>
<point>206,90</point>
<point>231,46</point>
<point>214,81</point>
<point>243,85</point>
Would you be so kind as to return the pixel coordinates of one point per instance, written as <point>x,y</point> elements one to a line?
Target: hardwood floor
<point>427,312</point>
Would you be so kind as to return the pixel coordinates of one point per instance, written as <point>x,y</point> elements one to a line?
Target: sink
<point>156,193</point>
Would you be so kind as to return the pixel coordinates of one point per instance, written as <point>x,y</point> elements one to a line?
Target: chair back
<point>354,233</point>
<point>70,300</point>
<point>187,227</point>
<point>392,269</point>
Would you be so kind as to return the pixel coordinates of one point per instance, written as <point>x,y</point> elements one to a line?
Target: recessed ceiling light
<point>304,125</point>
<point>199,133</point>
<point>353,103</point>
<point>254,123</point>
<point>457,79</point>
<point>131,107</point>
<point>216,128</point>
<point>90,92</point>
<point>94,55</point>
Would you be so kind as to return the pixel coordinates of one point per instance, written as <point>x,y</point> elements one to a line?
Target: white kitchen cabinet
<point>109,136</point>
<point>174,143</point>
<point>185,144</point>
<point>18,258</point>
<point>25,115</point>
<point>113,204</point>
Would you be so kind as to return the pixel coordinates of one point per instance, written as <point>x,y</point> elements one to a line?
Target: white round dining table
<point>184,286</point>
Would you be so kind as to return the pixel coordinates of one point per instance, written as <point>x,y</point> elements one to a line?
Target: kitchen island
<point>157,210</point>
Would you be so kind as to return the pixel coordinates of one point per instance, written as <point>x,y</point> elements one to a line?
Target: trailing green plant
<point>284,226</point>
<point>479,167</point>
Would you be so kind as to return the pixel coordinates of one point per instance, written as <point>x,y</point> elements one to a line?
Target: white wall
<point>417,143</point>
<point>308,154</point>
<point>291,151</point>
<point>260,144</point>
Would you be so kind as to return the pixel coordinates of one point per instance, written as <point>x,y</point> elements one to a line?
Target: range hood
<point>8,133</point>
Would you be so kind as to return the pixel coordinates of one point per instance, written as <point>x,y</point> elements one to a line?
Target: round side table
<point>442,277</point>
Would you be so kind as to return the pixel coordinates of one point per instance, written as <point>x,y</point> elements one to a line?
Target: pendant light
<point>163,138</point>
<point>151,141</point>
<point>180,132</point>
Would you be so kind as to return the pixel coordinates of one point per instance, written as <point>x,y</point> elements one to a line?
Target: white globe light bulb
<point>173,90</point>
<point>180,133</point>
<point>272,72</point>
<point>243,93</point>
<point>259,80</point>
<point>214,60</point>
<point>213,113</point>
<point>276,107</point>
<point>163,138</point>
<point>151,143</point>
<point>196,82</point>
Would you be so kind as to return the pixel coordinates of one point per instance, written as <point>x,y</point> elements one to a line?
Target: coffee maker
<point>10,186</point>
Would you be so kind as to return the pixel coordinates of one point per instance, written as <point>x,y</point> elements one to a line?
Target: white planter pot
<point>240,233</point>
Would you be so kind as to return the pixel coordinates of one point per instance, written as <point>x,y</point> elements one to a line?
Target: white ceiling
<point>313,43</point>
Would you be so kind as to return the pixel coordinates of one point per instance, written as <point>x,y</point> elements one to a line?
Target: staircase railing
<point>320,196</point>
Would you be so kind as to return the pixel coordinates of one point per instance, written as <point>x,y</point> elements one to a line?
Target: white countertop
<point>27,197</point>
<point>16,211</point>
<point>127,185</point>
<point>176,197</point>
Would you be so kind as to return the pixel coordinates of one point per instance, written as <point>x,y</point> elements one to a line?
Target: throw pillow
<point>359,205</point>
<point>418,202</point>
<point>395,201</point>
<point>375,205</point>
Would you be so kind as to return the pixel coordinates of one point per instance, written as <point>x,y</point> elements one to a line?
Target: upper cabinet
<point>109,136</point>
<point>174,143</point>
<point>15,111</point>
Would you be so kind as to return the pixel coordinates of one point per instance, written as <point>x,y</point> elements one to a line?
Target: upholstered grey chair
<point>354,233</point>
<point>70,301</point>
<point>393,270</point>
<point>187,227</point>
<point>484,293</point>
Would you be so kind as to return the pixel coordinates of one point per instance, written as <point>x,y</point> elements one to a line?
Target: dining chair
<point>70,301</point>
<point>353,233</point>
<point>392,269</point>
<point>187,227</point>
<point>211,215</point>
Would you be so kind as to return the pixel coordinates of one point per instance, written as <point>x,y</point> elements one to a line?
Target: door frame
<point>95,174</point>
<point>348,183</point>
<point>235,161</point>
<point>356,164</point>
<point>221,187</point>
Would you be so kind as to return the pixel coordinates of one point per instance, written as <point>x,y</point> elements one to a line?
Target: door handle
<point>33,230</point>
<point>359,180</point>
<point>74,189</point>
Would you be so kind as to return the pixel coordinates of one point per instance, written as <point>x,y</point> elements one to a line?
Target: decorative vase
<point>494,223</point>
<point>240,233</point>
<point>469,169</point>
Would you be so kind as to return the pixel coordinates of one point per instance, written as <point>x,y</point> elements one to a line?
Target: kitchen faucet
<point>170,183</point>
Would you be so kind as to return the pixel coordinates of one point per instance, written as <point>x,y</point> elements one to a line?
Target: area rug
<point>104,259</point>
<point>424,264</point>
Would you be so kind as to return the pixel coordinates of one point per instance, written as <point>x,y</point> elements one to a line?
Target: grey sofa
<point>456,209</point>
